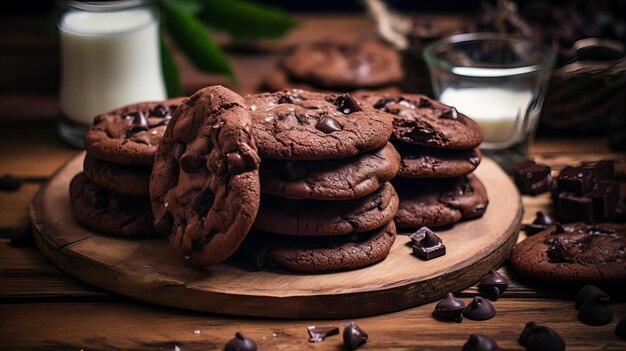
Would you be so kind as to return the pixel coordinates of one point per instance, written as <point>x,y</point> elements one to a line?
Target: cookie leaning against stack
<point>111,195</point>
<point>326,162</point>
<point>438,147</point>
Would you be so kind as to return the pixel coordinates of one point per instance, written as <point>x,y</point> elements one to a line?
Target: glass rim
<point>500,71</point>
<point>102,6</point>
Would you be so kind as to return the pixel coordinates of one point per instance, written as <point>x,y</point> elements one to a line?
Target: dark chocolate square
<point>574,208</point>
<point>601,170</point>
<point>605,197</point>
<point>532,178</point>
<point>430,252</point>
<point>575,180</point>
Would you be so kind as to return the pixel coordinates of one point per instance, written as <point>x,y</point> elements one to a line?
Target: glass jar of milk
<point>499,81</point>
<point>110,57</point>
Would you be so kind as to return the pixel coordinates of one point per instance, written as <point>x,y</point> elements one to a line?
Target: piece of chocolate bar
<point>532,178</point>
<point>574,208</point>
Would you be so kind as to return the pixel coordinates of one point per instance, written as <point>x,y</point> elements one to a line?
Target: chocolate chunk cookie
<point>131,180</point>
<point>424,121</point>
<point>130,134</point>
<point>345,64</point>
<point>205,182</point>
<point>428,162</point>
<point>315,254</point>
<point>339,179</point>
<point>301,125</point>
<point>576,253</point>
<point>105,211</point>
<point>323,218</point>
<point>439,202</point>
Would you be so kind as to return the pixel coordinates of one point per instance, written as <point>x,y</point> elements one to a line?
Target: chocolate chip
<point>237,164</point>
<point>450,114</point>
<point>449,309</point>
<point>595,311</point>
<point>22,237</point>
<point>328,125</point>
<point>139,125</point>
<point>240,343</point>
<point>164,225</point>
<point>532,178</point>
<point>318,334</point>
<point>179,150</point>
<point>190,163</point>
<point>480,208</point>
<point>558,229</point>
<point>430,246</point>
<point>353,336</point>
<point>346,104</point>
<point>474,159</point>
<point>288,99</point>
<point>480,342</point>
<point>160,110</point>
<point>493,285</point>
<point>543,218</point>
<point>479,310</point>
<point>587,292</point>
<point>9,182</point>
<point>424,103</point>
<point>559,253</point>
<point>382,103</point>
<point>541,338</point>
<point>620,330</point>
<point>293,170</point>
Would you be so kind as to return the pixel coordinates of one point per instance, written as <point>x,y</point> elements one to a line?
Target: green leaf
<point>170,71</point>
<point>191,37</point>
<point>244,20</point>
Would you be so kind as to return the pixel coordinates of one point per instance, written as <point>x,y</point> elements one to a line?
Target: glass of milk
<point>109,58</point>
<point>499,81</point>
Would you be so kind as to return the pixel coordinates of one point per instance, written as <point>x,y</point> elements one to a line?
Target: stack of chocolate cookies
<point>438,147</point>
<point>111,195</point>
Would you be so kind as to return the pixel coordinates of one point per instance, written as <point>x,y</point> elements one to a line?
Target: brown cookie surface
<point>325,218</point>
<point>205,182</point>
<point>427,162</point>
<point>338,179</point>
<point>130,134</point>
<point>424,121</point>
<point>439,202</point>
<point>575,253</point>
<point>131,180</point>
<point>301,125</point>
<point>105,211</point>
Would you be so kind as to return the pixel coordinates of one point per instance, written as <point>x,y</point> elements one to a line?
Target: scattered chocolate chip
<point>164,225</point>
<point>292,171</point>
<point>139,125</point>
<point>620,330</point>
<point>382,103</point>
<point>493,285</point>
<point>449,309</point>
<point>318,334</point>
<point>160,110</point>
<point>574,208</point>
<point>424,103</point>
<point>542,222</point>
<point>479,310</point>
<point>288,99</point>
<point>588,291</point>
<point>595,311</point>
<point>190,162</point>
<point>240,343</point>
<point>346,104</point>
<point>22,237</point>
<point>576,180</point>
<point>452,113</point>
<point>179,150</point>
<point>430,246</point>
<point>237,163</point>
<point>328,125</point>
<point>532,178</point>
<point>353,336</point>
<point>9,182</point>
<point>474,159</point>
<point>480,342</point>
<point>541,338</point>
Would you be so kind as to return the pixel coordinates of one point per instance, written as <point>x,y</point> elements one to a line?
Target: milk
<point>500,112</point>
<point>109,59</point>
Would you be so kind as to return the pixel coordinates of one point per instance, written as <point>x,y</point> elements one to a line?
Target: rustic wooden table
<point>43,308</point>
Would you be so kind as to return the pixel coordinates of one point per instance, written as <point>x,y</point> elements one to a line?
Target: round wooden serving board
<point>149,270</point>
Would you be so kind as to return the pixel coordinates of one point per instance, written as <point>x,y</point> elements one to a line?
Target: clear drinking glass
<point>498,80</point>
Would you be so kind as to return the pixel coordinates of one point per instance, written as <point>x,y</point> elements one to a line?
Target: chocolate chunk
<point>164,225</point>
<point>449,309</point>
<point>576,180</point>
<point>450,114</point>
<point>559,253</point>
<point>22,237</point>
<point>541,338</point>
<point>424,103</point>
<point>9,182</point>
<point>179,150</point>
<point>139,125</point>
<point>479,310</point>
<point>493,285</point>
<point>573,208</point>
<point>587,292</point>
<point>328,125</point>
<point>595,311</point>
<point>620,330</point>
<point>346,104</point>
<point>190,163</point>
<point>292,171</point>
<point>288,99</point>
<point>382,103</point>
<point>430,246</point>
<point>542,222</point>
<point>480,342</point>
<point>532,178</point>
<point>318,334</point>
<point>160,110</point>
<point>237,163</point>
<point>353,336</point>
<point>600,170</point>
<point>419,234</point>
<point>604,198</point>
<point>240,343</point>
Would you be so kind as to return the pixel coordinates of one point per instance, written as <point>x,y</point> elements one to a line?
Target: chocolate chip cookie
<point>205,182</point>
<point>324,218</point>
<point>339,179</point>
<point>344,64</point>
<point>428,162</point>
<point>131,180</point>
<point>105,211</point>
<point>301,125</point>
<point>130,134</point>
<point>439,202</point>
<point>575,253</point>
<point>424,121</point>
